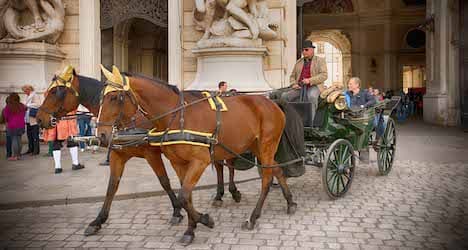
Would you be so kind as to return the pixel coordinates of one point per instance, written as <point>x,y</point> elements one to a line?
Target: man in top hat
<point>308,77</point>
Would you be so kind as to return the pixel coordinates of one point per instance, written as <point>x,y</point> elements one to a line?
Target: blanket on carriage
<point>291,145</point>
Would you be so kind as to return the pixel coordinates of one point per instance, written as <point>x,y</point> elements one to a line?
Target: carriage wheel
<point>387,147</point>
<point>338,168</point>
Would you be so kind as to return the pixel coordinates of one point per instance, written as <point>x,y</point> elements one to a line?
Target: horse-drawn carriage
<point>336,133</point>
<point>278,138</point>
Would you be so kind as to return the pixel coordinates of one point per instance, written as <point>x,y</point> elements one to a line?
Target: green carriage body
<point>336,135</point>
<point>338,124</point>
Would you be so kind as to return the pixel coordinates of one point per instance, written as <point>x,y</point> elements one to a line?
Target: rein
<point>213,139</point>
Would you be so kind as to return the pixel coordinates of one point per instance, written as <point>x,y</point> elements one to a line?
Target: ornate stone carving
<point>114,12</point>
<point>233,23</point>
<point>327,6</point>
<point>31,20</point>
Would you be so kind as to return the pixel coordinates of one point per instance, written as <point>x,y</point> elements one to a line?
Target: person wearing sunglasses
<point>307,78</point>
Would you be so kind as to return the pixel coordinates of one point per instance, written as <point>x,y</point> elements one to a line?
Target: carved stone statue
<point>46,24</point>
<point>233,23</point>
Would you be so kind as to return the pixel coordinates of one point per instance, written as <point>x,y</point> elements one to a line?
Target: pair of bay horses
<point>253,123</point>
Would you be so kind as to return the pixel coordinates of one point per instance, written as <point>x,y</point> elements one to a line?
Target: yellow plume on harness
<point>116,79</point>
<point>64,79</point>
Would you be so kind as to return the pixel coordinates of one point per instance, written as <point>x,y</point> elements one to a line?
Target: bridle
<point>59,83</point>
<point>118,123</point>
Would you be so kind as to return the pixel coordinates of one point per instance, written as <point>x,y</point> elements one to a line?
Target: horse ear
<point>107,73</point>
<point>67,73</point>
<point>118,77</point>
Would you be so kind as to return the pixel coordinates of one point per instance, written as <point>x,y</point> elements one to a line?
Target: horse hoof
<point>236,196</point>
<point>206,220</point>
<point>91,230</point>
<point>292,208</point>
<point>176,220</point>
<point>247,225</point>
<point>217,203</point>
<point>186,239</point>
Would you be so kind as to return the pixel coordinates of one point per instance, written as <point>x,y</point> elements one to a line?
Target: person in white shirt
<point>33,102</point>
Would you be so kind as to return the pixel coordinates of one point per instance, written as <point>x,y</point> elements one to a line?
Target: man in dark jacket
<point>359,98</point>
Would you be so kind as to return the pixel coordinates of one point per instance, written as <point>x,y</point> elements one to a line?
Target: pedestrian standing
<point>63,132</point>
<point>14,114</point>
<point>84,120</point>
<point>8,138</point>
<point>33,102</point>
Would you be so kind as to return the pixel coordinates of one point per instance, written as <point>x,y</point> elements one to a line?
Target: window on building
<point>414,76</point>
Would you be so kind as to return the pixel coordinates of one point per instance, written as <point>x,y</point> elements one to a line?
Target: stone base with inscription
<point>241,68</point>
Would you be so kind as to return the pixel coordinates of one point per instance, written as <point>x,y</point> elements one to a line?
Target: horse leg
<point>218,200</point>
<point>195,169</point>
<point>236,195</point>
<point>292,206</point>
<point>266,182</point>
<point>155,161</point>
<point>117,164</point>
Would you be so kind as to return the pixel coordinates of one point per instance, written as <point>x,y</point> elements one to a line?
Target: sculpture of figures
<point>48,20</point>
<point>228,23</point>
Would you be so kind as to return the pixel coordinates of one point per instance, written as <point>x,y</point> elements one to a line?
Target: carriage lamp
<point>340,103</point>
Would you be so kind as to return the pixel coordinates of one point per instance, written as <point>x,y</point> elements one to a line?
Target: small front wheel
<point>386,148</point>
<point>338,168</point>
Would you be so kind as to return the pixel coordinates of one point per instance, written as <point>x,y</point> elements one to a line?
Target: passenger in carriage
<point>359,98</point>
<point>307,78</point>
<point>222,87</point>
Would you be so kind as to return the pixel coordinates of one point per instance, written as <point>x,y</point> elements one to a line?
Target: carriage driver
<point>307,78</point>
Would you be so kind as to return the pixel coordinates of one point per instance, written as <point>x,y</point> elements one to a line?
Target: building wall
<point>376,30</point>
<point>69,41</point>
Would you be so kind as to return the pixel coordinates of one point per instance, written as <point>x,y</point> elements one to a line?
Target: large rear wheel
<point>386,148</point>
<point>338,168</point>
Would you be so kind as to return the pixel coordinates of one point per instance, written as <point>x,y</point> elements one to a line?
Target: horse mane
<point>154,80</point>
<point>90,89</point>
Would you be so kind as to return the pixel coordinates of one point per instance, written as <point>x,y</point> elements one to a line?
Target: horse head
<point>118,105</point>
<point>61,97</point>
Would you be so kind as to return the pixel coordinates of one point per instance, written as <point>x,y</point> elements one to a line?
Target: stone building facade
<point>376,39</point>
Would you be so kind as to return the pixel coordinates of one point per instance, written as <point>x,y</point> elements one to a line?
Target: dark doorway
<point>464,63</point>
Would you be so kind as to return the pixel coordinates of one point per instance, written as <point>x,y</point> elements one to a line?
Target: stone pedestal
<point>241,68</point>
<point>28,63</point>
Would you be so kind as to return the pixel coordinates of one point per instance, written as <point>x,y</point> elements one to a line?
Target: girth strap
<point>180,137</point>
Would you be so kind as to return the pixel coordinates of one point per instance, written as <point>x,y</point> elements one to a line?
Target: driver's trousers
<point>313,93</point>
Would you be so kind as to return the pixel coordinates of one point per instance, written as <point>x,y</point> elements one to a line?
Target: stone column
<point>390,59</point>
<point>441,105</point>
<point>175,45</point>
<point>291,44</point>
<point>90,38</point>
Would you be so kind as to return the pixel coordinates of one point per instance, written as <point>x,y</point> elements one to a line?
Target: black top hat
<point>308,44</point>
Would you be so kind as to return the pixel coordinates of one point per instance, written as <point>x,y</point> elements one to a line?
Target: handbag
<point>33,112</point>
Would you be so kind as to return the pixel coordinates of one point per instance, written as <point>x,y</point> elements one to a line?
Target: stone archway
<point>137,36</point>
<point>341,42</point>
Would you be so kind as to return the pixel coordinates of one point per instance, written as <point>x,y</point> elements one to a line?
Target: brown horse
<point>252,123</point>
<point>87,91</point>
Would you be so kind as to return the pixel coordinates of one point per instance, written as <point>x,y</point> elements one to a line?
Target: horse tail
<point>292,140</point>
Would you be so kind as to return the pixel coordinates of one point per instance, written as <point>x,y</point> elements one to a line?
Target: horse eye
<point>113,98</point>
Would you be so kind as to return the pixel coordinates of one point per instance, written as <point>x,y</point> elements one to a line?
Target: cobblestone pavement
<point>419,205</point>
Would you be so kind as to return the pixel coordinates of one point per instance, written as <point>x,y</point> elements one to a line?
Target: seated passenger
<point>307,78</point>
<point>358,98</point>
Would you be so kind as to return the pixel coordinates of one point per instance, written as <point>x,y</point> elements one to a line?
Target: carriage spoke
<point>343,154</point>
<point>342,183</point>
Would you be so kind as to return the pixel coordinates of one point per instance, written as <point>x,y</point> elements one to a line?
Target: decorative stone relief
<point>327,6</point>
<point>31,20</point>
<point>233,23</point>
<point>113,12</point>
